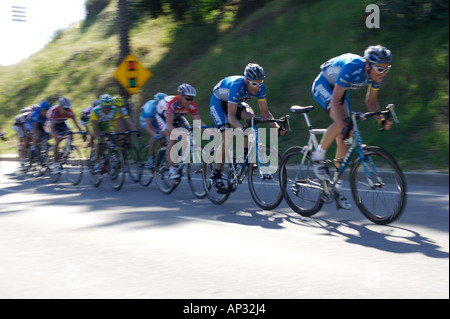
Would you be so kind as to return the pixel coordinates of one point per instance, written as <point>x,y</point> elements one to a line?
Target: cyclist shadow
<point>390,238</point>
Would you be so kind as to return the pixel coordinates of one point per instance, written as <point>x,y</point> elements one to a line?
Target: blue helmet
<point>44,105</point>
<point>377,54</point>
<point>159,96</point>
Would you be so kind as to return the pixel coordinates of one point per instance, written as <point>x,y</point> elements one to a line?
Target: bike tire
<point>147,173</point>
<point>195,179</point>
<point>95,179</point>
<point>213,195</point>
<point>73,166</point>
<point>115,168</point>
<point>300,186</point>
<point>263,178</point>
<point>384,202</point>
<point>133,163</point>
<point>165,184</point>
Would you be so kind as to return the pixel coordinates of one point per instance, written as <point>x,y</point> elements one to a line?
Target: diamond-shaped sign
<point>131,74</point>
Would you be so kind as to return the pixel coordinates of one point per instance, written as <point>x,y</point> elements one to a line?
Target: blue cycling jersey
<point>148,111</point>
<point>37,117</point>
<point>234,89</point>
<point>347,70</point>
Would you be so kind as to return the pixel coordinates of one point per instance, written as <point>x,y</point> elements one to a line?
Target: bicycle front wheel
<point>194,174</point>
<point>263,178</point>
<point>116,168</point>
<point>133,163</point>
<point>300,186</point>
<point>147,172</point>
<point>73,166</point>
<point>165,184</point>
<point>378,186</point>
<point>214,196</point>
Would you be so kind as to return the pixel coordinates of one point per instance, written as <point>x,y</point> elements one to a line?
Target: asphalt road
<point>62,241</point>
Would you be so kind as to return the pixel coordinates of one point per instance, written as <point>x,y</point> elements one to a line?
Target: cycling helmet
<point>118,101</point>
<point>377,54</point>
<point>254,71</point>
<point>106,100</point>
<point>44,105</point>
<point>35,107</point>
<point>187,89</point>
<point>159,96</point>
<point>64,102</point>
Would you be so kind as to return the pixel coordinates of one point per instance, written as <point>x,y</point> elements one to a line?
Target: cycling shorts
<point>322,92</point>
<point>219,112</point>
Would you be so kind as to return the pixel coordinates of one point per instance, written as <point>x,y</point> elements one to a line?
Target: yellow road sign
<point>131,74</point>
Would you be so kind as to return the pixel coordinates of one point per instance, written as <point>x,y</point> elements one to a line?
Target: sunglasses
<point>189,99</point>
<point>255,84</point>
<point>381,70</point>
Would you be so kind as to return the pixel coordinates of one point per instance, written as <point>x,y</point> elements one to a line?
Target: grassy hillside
<point>290,39</point>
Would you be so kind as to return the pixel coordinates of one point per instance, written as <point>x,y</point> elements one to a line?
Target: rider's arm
<point>95,128</point>
<point>76,123</point>
<point>169,121</point>
<point>373,106</point>
<point>232,109</point>
<point>149,126</point>
<point>53,131</point>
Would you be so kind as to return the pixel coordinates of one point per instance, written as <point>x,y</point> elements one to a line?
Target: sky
<point>19,40</point>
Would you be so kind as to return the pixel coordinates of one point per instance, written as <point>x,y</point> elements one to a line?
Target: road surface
<point>63,241</point>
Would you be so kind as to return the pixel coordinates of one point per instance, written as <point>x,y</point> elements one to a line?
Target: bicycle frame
<point>356,144</point>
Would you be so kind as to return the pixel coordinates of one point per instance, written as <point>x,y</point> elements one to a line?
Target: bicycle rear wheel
<point>116,168</point>
<point>73,166</point>
<point>194,173</point>
<point>382,196</point>
<point>300,186</point>
<point>165,184</point>
<point>263,178</point>
<point>147,172</point>
<point>133,163</point>
<point>214,196</point>
<point>94,178</point>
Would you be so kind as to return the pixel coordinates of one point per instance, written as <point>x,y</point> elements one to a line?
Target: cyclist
<point>347,71</point>
<point>149,123</point>
<point>170,115</point>
<point>227,108</point>
<point>85,115</point>
<point>23,128</point>
<point>101,120</point>
<point>57,116</point>
<point>38,120</point>
<point>124,115</point>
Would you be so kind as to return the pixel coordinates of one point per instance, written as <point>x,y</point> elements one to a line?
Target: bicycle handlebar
<point>284,120</point>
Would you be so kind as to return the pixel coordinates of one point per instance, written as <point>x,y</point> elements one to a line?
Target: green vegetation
<point>290,39</point>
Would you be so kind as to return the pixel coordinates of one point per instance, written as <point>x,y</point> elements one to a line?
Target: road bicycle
<point>190,164</point>
<point>38,158</point>
<point>111,161</point>
<point>260,163</point>
<point>131,156</point>
<point>376,180</point>
<point>70,161</point>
